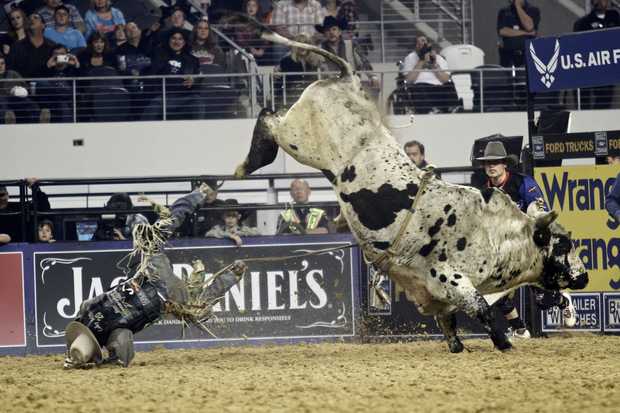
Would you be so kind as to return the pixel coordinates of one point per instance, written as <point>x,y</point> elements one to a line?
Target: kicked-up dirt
<point>561,374</point>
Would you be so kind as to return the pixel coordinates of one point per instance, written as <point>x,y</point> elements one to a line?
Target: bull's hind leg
<point>447,324</point>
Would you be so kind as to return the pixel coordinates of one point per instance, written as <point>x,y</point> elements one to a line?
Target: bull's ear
<point>544,220</point>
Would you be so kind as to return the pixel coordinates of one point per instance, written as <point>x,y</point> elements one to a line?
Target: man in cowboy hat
<point>345,48</point>
<point>526,193</point>
<point>110,319</point>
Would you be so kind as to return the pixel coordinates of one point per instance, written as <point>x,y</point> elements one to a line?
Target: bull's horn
<point>544,220</point>
<point>266,33</point>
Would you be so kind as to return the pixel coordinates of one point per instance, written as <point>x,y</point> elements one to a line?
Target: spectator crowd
<point>50,42</point>
<point>54,43</point>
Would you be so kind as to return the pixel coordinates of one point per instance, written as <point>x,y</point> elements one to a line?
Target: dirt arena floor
<point>567,374</point>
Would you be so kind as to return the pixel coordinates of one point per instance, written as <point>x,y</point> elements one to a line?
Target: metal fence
<point>386,34</point>
<point>84,200</point>
<point>125,99</point>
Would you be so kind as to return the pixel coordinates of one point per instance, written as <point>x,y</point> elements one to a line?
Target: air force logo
<point>548,70</point>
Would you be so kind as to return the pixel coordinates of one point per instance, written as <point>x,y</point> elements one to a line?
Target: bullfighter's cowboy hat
<point>495,151</point>
<point>329,22</point>
<point>82,344</point>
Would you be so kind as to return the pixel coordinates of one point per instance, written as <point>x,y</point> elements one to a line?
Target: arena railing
<point>77,198</point>
<point>239,95</point>
<point>383,41</point>
<point>18,190</point>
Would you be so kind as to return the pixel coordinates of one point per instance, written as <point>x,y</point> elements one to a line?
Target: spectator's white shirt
<point>425,76</point>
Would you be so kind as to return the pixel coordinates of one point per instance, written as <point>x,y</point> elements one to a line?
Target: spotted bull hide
<point>460,243</point>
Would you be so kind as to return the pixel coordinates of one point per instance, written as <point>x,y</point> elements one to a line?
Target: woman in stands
<point>96,55</point>
<point>103,18</point>
<point>245,34</point>
<point>101,99</point>
<point>204,48</point>
<point>301,62</point>
<point>18,25</point>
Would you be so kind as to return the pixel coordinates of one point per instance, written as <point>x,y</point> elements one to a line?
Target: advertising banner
<point>588,307</point>
<point>12,306</point>
<point>558,146</point>
<point>309,297</point>
<point>392,314</point>
<point>574,60</point>
<point>611,312</point>
<point>578,194</point>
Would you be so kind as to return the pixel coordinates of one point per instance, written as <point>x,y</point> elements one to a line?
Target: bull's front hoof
<point>504,345</point>
<point>455,345</point>
<point>240,171</point>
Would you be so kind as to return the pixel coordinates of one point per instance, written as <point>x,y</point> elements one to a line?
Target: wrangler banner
<point>578,194</point>
<point>297,298</point>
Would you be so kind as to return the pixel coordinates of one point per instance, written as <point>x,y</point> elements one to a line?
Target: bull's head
<point>264,148</point>
<point>562,267</point>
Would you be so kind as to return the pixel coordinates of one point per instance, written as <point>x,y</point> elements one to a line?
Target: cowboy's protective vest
<point>125,306</point>
<point>312,219</point>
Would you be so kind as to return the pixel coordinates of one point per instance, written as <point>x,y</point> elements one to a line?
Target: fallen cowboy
<point>111,319</point>
<point>447,245</point>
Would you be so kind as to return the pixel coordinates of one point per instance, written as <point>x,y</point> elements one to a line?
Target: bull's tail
<point>266,33</point>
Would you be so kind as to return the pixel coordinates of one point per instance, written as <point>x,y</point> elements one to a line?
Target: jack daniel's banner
<point>574,60</point>
<point>294,299</point>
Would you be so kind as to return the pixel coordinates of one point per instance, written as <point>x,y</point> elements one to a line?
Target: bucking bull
<point>447,245</point>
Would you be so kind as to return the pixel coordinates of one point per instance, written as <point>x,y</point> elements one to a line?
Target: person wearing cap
<point>344,48</point>
<point>10,222</point>
<point>63,33</point>
<point>150,292</point>
<point>233,227</point>
<point>525,192</point>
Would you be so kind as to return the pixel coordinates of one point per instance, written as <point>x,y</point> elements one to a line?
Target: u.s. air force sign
<point>573,61</point>
<point>294,299</point>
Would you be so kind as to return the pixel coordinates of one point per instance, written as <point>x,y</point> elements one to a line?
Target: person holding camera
<point>118,224</point>
<point>57,94</point>
<point>432,89</point>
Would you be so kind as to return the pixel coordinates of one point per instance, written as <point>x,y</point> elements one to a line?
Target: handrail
<point>271,178</point>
